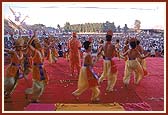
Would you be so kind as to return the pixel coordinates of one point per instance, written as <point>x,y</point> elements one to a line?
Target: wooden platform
<point>74,107</point>
<point>89,107</point>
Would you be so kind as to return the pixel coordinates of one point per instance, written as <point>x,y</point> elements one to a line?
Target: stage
<point>147,96</point>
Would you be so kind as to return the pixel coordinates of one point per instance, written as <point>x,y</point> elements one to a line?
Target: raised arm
<point>125,53</point>
<point>30,42</point>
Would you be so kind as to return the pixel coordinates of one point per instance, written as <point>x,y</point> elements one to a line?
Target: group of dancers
<point>28,56</point>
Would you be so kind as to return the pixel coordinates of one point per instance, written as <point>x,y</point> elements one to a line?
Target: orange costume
<point>52,55</point>
<point>74,54</point>
<point>13,71</point>
<point>117,46</point>
<point>39,72</point>
<point>27,63</point>
<point>87,79</point>
<point>39,75</point>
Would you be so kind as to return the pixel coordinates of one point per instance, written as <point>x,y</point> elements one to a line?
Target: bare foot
<point>109,90</point>
<point>75,96</point>
<point>34,101</point>
<point>96,100</point>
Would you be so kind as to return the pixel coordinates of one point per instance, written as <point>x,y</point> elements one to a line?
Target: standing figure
<point>66,54</point>
<point>109,68</point>
<point>14,69</point>
<point>39,75</point>
<point>53,52</point>
<point>74,54</point>
<point>87,77</point>
<point>132,64</point>
<point>152,51</point>
<point>27,60</point>
<point>126,47</point>
<point>117,46</point>
<point>100,49</point>
<point>141,61</point>
<point>48,49</point>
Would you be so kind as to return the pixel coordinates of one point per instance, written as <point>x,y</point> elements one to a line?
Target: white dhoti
<point>10,84</point>
<point>36,90</point>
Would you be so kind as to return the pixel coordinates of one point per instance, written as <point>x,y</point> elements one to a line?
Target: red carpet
<point>148,95</point>
<point>38,107</point>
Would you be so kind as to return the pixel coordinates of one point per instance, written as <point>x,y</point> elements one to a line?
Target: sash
<point>113,65</point>
<point>131,58</point>
<point>92,71</point>
<point>106,58</point>
<point>14,64</point>
<point>26,62</point>
<point>19,75</point>
<point>41,71</point>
